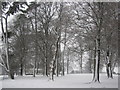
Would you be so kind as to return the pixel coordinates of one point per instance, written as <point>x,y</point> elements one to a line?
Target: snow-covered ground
<point>1,77</point>
<point>0,84</point>
<point>67,81</point>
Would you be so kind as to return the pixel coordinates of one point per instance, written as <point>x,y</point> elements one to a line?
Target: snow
<point>0,84</point>
<point>67,81</point>
<point>1,77</point>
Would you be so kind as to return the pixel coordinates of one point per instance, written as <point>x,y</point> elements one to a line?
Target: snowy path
<point>68,81</point>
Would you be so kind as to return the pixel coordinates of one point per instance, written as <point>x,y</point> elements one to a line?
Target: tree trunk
<point>21,69</point>
<point>109,70</point>
<point>81,61</point>
<point>63,70</point>
<point>96,78</point>
<point>90,61</point>
<point>11,73</point>
<point>63,61</point>
<point>46,69</point>
<point>37,72</point>
<point>25,69</point>
<point>94,60</point>
<point>90,69</point>
<point>36,50</point>
<point>99,27</point>
<point>108,66</point>
<point>53,68</point>
<point>57,66</point>
<point>5,39</point>
<point>58,56</point>
<point>7,46</point>
<point>51,76</point>
<point>68,64</point>
<point>46,49</point>
<point>96,66</point>
<point>55,58</point>
<point>34,69</point>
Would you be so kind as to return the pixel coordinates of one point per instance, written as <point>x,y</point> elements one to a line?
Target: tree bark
<point>81,60</point>
<point>55,58</point>
<point>9,66</point>
<point>21,69</point>
<point>46,49</point>
<point>68,63</point>
<point>97,64</point>
<point>108,65</point>
<point>5,40</point>
<point>90,61</point>
<point>94,60</point>
<point>36,50</point>
<point>11,74</point>
<point>99,27</point>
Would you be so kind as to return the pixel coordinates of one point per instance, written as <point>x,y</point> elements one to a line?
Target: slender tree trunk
<point>59,48</point>
<point>68,63</point>
<point>46,68</point>
<point>37,72</point>
<point>63,68</point>
<point>58,57</point>
<point>21,69</point>
<point>109,70</point>
<point>90,67</point>
<point>59,42</point>
<point>53,70</point>
<point>7,47</point>
<point>34,69</point>
<point>44,72</point>
<point>57,65</point>
<point>25,69</point>
<point>55,58</point>
<point>7,52</point>
<point>98,57</point>
<point>90,61</point>
<point>81,61</point>
<point>94,60</point>
<point>46,47</point>
<point>109,66</point>
<point>36,50</point>
<point>11,72</point>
